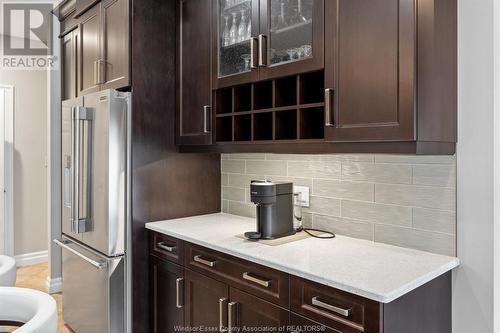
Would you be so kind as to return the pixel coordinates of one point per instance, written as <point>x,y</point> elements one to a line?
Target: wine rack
<point>284,109</point>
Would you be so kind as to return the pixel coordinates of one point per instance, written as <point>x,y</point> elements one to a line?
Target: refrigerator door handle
<point>64,244</point>
<point>81,178</point>
<point>74,164</point>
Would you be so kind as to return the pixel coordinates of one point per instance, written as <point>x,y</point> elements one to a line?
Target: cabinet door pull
<point>265,283</point>
<point>205,262</point>
<point>101,71</point>
<point>163,246</point>
<point>96,72</point>
<point>179,295</point>
<point>343,312</point>
<point>253,49</point>
<point>262,50</point>
<point>207,118</point>
<point>328,107</point>
<point>231,321</point>
<point>223,314</point>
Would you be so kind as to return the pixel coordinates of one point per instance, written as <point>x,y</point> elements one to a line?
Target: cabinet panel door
<point>299,324</point>
<point>194,102</point>
<point>202,298</point>
<point>89,52</point>
<point>116,44</point>
<point>167,308</point>
<point>249,313</point>
<point>370,69</point>
<point>69,64</point>
<point>294,36</point>
<point>236,28</point>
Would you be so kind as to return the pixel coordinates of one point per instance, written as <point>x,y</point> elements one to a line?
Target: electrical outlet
<point>303,195</point>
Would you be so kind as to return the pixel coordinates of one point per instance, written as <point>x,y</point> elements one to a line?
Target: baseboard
<point>54,285</point>
<point>33,258</point>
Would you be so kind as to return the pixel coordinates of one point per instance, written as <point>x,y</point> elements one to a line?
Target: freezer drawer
<point>93,289</point>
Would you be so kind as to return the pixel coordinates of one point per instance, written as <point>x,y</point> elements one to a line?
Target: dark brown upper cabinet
<point>89,51</point>
<point>97,33</point>
<point>293,33</point>
<point>235,51</point>
<point>390,71</point>
<point>194,74</point>
<point>264,39</point>
<point>69,51</point>
<point>340,76</point>
<point>115,57</point>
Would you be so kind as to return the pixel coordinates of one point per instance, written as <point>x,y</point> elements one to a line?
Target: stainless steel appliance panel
<point>67,168</point>
<point>105,145</point>
<point>93,289</point>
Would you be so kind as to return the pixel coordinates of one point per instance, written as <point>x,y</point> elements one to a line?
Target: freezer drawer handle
<point>202,261</point>
<point>163,246</point>
<point>337,310</point>
<point>96,264</point>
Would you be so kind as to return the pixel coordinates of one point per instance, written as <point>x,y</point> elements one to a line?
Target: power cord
<point>329,235</point>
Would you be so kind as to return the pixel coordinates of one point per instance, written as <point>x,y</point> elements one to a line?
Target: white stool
<point>7,271</point>
<point>33,308</point>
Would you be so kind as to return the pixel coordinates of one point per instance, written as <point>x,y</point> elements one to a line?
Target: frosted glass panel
<point>235,29</point>
<point>291,31</point>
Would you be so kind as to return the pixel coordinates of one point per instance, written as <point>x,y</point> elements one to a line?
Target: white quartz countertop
<point>376,271</point>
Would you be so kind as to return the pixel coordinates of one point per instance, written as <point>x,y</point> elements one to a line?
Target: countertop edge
<point>387,298</point>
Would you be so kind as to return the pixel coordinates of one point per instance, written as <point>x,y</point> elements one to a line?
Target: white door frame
<point>8,175</point>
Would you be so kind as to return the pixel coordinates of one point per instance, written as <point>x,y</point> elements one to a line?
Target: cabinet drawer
<point>261,281</point>
<point>166,247</point>
<point>299,324</point>
<point>337,309</point>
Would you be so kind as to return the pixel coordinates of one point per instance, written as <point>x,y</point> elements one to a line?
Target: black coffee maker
<point>274,209</point>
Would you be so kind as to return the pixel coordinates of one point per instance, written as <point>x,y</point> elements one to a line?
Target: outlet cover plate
<point>304,195</point>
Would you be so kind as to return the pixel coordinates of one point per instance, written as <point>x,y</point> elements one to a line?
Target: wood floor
<point>34,277</point>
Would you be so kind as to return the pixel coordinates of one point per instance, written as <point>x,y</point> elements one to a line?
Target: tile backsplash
<point>404,200</point>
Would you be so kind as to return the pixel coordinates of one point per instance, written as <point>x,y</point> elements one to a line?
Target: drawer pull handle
<point>329,307</point>
<point>165,247</point>
<point>223,314</point>
<point>179,286</point>
<point>249,277</point>
<point>205,262</point>
<point>232,309</point>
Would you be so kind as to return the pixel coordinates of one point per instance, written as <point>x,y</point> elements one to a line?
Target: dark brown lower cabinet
<point>167,296</point>
<point>299,324</point>
<point>203,297</point>
<point>248,313</point>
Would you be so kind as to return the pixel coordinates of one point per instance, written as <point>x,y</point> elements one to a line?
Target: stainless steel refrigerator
<point>95,211</point>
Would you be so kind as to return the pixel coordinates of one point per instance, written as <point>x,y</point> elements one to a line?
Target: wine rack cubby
<point>284,109</point>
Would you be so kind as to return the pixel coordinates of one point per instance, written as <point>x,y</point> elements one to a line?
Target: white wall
<point>496,304</point>
<point>30,180</point>
<point>473,281</point>
<point>54,171</point>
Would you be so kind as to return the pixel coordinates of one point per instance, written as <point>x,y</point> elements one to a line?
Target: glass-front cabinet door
<point>236,39</point>
<point>291,37</point>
